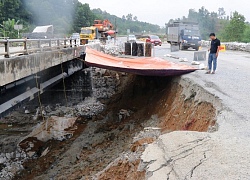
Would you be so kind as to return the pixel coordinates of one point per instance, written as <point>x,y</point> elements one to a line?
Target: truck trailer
<point>41,32</point>
<point>184,34</point>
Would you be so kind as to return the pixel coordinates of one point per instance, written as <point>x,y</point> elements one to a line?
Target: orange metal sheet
<point>142,66</point>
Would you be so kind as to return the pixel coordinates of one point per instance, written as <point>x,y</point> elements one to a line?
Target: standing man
<point>214,53</point>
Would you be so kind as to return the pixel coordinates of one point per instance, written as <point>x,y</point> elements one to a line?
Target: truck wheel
<point>197,48</point>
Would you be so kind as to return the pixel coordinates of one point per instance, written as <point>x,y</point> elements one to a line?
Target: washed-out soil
<point>143,98</point>
<point>175,113</point>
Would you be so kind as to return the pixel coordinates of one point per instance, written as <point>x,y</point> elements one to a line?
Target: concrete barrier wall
<point>234,46</point>
<point>96,46</point>
<point>238,46</point>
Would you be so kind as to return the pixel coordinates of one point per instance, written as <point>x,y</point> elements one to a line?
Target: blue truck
<point>184,34</point>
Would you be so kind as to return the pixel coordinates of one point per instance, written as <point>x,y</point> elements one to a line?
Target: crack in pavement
<point>201,161</point>
<point>190,149</point>
<point>190,143</point>
<point>185,151</point>
<point>196,166</point>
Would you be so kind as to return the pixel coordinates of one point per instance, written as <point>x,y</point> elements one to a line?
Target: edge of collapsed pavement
<point>217,154</point>
<point>216,139</point>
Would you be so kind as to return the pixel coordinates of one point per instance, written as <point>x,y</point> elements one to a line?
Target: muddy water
<point>136,111</point>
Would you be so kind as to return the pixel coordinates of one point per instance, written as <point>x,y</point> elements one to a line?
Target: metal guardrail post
<point>58,43</point>
<point>39,44</point>
<point>50,43</point>
<point>7,49</point>
<point>65,43</point>
<point>70,42</point>
<point>25,47</point>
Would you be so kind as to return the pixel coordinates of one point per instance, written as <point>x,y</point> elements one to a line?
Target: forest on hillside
<point>67,16</point>
<point>128,22</point>
<point>228,28</point>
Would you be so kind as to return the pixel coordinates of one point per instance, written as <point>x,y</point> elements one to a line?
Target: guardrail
<point>34,45</point>
<point>4,37</point>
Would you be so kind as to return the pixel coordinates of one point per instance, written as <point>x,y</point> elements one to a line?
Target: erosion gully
<point>114,115</point>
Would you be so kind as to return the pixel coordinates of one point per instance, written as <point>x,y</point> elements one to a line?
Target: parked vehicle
<point>41,32</point>
<point>184,34</point>
<point>131,38</point>
<point>88,33</point>
<point>155,40</point>
<point>101,29</point>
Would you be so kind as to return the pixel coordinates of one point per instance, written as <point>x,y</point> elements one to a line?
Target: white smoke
<point>58,13</point>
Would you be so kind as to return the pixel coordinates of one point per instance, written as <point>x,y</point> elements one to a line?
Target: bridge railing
<point>27,46</point>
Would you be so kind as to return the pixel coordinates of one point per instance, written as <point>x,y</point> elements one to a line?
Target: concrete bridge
<point>33,66</point>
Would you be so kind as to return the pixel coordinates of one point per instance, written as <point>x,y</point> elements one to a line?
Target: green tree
<point>123,18</point>
<point>67,16</point>
<point>235,29</point>
<point>221,13</point>
<point>83,17</point>
<point>246,35</point>
<point>59,13</point>
<point>123,24</point>
<point>7,29</point>
<point>129,17</point>
<point>9,9</point>
<point>14,9</point>
<point>209,21</point>
<point>135,18</point>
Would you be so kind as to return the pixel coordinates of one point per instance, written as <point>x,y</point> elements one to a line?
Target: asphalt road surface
<point>225,154</point>
<point>230,83</point>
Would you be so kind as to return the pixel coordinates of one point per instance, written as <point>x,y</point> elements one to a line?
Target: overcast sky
<point>160,11</point>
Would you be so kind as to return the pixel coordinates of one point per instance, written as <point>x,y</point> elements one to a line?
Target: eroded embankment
<point>110,145</point>
<point>173,105</point>
<point>146,108</point>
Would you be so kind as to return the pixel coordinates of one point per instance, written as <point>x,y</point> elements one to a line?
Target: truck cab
<point>184,34</point>
<point>87,34</point>
<point>190,38</point>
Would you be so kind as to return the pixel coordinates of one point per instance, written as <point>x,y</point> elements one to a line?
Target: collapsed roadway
<point>189,127</point>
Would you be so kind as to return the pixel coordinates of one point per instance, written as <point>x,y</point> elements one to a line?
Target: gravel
<point>113,48</point>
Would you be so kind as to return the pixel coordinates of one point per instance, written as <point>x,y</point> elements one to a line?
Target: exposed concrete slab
<point>194,155</point>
